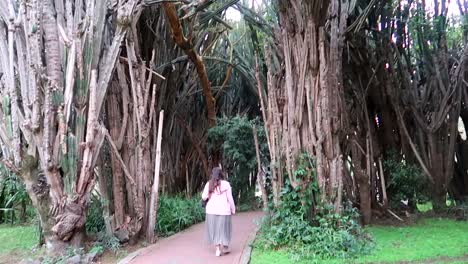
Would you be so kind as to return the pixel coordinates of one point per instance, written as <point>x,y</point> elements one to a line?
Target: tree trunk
<point>359,158</point>
<point>2,203</point>
<point>439,192</point>
<point>260,171</point>
<point>38,190</point>
<point>23,214</point>
<point>115,129</point>
<point>67,143</point>
<point>312,112</point>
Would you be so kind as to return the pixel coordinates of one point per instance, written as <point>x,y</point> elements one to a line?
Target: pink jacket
<point>221,201</point>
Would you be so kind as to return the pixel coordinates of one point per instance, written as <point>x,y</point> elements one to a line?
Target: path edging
<point>129,258</point>
<point>247,251</point>
<point>149,247</point>
<point>244,258</point>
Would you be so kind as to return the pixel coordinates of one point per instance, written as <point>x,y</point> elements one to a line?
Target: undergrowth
<point>176,213</point>
<point>323,235</point>
<point>406,181</point>
<point>95,219</point>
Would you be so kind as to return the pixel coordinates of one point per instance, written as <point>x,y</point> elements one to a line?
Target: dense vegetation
<point>175,213</point>
<point>313,236</point>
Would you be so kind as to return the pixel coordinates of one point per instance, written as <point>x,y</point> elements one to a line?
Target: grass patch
<point>16,242</point>
<point>17,237</point>
<point>430,238</point>
<point>426,240</point>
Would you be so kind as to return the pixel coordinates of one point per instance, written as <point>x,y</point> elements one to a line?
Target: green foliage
<point>14,200</point>
<point>234,138</point>
<point>95,220</point>
<point>424,207</point>
<point>105,241</point>
<point>323,235</point>
<point>177,213</point>
<point>305,168</point>
<point>98,249</point>
<point>455,33</point>
<point>405,182</point>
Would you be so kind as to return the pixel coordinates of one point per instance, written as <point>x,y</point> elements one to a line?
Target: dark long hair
<point>216,177</point>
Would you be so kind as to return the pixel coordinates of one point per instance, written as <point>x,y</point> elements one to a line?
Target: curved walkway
<point>189,246</point>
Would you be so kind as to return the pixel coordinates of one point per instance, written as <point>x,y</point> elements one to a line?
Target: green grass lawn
<point>429,239</point>
<point>17,237</point>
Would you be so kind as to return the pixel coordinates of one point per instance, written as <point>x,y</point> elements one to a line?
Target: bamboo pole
<point>154,192</point>
<point>187,180</point>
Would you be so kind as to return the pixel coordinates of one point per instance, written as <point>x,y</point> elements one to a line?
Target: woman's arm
<point>231,200</point>
<point>205,192</point>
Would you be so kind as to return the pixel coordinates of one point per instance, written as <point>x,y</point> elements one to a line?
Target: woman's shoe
<point>218,252</point>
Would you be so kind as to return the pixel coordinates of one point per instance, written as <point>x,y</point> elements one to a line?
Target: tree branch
<point>117,155</point>
<point>187,46</point>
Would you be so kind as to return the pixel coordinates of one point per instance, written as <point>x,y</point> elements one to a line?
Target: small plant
<point>98,249</point>
<point>95,220</point>
<point>105,241</point>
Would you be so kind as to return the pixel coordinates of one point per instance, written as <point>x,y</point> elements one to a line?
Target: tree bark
<point>313,119</point>
<point>118,180</point>
<point>360,159</point>
<point>38,190</point>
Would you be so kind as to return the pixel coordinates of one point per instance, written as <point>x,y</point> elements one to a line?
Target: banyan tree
<point>337,84</point>
<point>83,83</point>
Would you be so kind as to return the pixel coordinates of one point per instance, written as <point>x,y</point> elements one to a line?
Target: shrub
<point>324,235</point>
<point>105,241</point>
<point>405,182</point>
<point>176,213</point>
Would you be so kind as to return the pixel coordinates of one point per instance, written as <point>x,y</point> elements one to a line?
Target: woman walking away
<point>219,208</point>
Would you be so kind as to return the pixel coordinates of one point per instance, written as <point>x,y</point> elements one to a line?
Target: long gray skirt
<point>218,229</point>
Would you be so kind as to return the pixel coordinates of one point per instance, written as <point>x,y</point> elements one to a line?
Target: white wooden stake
<point>154,191</point>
